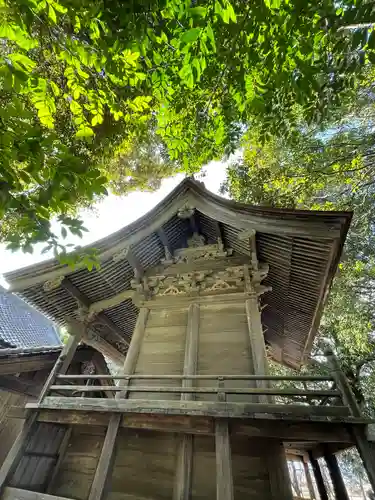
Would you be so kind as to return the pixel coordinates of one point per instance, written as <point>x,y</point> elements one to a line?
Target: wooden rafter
<point>100,317</point>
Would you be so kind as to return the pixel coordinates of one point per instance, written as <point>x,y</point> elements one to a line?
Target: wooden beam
<point>224,475</point>
<point>209,408</point>
<point>134,348</point>
<point>281,488</point>
<point>18,385</point>
<point>336,477</point>
<point>318,477</point>
<point>257,344</point>
<point>101,317</point>
<point>101,305</point>
<point>18,494</point>
<point>76,327</point>
<point>165,242</point>
<point>106,459</point>
<point>319,432</point>
<point>105,464</point>
<point>62,364</point>
<point>182,487</point>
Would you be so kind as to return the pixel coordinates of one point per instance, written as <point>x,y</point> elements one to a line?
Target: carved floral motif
<point>52,284</point>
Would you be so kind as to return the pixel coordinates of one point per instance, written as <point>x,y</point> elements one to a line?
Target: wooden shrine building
<point>190,302</point>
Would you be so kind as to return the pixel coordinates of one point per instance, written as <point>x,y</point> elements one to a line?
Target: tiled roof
<point>23,326</point>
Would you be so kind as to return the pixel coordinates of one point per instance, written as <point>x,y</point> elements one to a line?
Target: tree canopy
<point>97,95</point>
<point>328,169</point>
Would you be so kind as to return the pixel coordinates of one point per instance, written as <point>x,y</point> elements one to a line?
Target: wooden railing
<point>217,386</point>
<point>321,396</point>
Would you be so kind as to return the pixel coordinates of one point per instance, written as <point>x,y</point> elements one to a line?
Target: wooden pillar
<point>308,478</point>
<point>365,450</point>
<point>15,453</point>
<point>182,485</point>
<point>107,455</point>
<point>224,476</point>
<point>336,477</point>
<point>281,488</point>
<point>257,345</point>
<point>318,477</point>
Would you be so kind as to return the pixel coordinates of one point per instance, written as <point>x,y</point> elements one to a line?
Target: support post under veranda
<point>15,453</point>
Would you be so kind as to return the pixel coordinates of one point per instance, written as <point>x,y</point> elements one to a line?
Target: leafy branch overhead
<point>87,84</point>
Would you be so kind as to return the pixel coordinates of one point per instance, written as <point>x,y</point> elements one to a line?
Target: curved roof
<point>23,326</point>
<point>302,249</point>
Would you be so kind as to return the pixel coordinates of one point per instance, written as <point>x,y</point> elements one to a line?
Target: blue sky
<point>112,214</point>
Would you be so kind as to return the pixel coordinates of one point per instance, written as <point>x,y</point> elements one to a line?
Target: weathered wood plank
<point>62,450</point>
<point>224,475</point>
<point>336,477</point>
<point>219,409</point>
<point>183,477</point>
<point>18,494</point>
<point>106,460</point>
<point>11,462</point>
<point>134,349</point>
<point>278,471</point>
<point>182,486</point>
<point>191,390</point>
<point>326,432</point>
<point>62,364</point>
<point>17,385</point>
<point>257,344</point>
<point>306,378</point>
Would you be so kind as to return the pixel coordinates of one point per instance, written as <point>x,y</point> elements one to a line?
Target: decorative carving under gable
<point>122,255</point>
<point>198,253</point>
<point>52,284</point>
<point>196,241</point>
<point>195,283</point>
<point>186,211</point>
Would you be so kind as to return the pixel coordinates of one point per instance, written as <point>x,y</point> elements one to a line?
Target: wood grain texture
<point>224,347</point>
<point>79,464</point>
<point>278,470</point>
<point>162,351</point>
<point>106,458</point>
<point>19,494</point>
<point>144,465</point>
<point>224,476</point>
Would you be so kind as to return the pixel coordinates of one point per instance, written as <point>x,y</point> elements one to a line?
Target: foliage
<point>328,170</point>
<point>83,85</point>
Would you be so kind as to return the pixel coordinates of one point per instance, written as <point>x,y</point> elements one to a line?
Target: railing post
<point>365,450</point>
<point>343,384</point>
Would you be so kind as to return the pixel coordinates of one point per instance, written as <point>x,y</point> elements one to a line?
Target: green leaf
<point>27,63</point>
<point>191,35</point>
<point>211,36</point>
<point>84,132</point>
<point>64,232</point>
<point>52,14</point>
<point>55,88</point>
<point>198,11</point>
